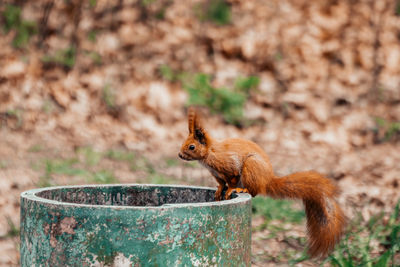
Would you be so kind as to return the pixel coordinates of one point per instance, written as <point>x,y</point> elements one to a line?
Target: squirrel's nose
<point>180,155</point>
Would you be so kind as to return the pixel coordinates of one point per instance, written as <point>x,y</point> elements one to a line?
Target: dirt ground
<point>328,97</point>
<point>369,182</point>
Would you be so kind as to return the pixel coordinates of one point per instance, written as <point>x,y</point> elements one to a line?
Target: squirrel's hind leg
<point>252,169</point>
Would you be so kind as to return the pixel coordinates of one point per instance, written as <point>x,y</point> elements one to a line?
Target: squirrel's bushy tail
<point>325,219</point>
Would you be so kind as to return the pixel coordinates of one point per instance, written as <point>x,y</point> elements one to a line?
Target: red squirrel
<point>242,166</point>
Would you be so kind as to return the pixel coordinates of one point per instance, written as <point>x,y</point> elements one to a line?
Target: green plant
<point>142,164</point>
<point>48,106</point>
<point>278,56</point>
<point>373,243</point>
<point>153,9</point>
<point>64,166</point>
<point>273,209</point>
<point>160,15</point>
<point>12,17</point>
<point>84,165</point>
<point>24,29</point>
<point>92,36</point>
<point>167,73</point>
<point>13,229</point>
<point>63,57</point>
<point>136,162</point>
<point>120,155</point>
<point>157,178</point>
<point>217,11</point>
<point>109,96</point>
<point>92,3</point>
<point>245,84</point>
<point>191,164</point>
<point>172,162</point>
<point>91,157</point>
<point>387,130</point>
<point>45,180</point>
<point>147,2</point>
<point>35,148</point>
<point>103,177</point>
<point>60,166</point>
<point>280,215</point>
<point>172,75</point>
<point>95,57</point>
<point>17,114</point>
<point>229,103</point>
<point>3,164</point>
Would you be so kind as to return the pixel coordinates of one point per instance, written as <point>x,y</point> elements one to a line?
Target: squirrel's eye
<point>192,147</point>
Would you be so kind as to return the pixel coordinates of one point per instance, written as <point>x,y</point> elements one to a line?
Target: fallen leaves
<point>326,71</point>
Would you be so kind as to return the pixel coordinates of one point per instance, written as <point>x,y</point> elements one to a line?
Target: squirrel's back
<point>233,153</point>
<point>240,146</point>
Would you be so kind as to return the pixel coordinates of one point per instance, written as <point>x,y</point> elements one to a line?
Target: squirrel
<point>241,166</point>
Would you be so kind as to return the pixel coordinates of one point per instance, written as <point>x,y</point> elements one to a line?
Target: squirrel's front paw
<point>220,192</point>
<point>218,195</point>
<point>228,193</point>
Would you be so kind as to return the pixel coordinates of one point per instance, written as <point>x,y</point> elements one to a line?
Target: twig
<point>43,23</point>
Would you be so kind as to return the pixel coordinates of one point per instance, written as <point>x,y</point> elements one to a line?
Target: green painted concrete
<point>134,225</point>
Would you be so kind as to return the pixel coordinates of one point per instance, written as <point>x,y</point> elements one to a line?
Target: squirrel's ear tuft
<point>191,119</point>
<point>200,136</point>
<point>195,126</point>
<point>194,120</point>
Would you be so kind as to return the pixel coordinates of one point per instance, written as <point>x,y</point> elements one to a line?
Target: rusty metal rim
<point>32,196</point>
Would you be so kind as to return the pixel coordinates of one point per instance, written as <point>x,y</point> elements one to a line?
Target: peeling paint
<point>133,225</point>
<point>67,225</point>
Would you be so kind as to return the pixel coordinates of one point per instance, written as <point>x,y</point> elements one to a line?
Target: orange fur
<point>242,166</point>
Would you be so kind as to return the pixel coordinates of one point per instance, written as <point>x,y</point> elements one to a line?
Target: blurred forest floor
<point>96,92</point>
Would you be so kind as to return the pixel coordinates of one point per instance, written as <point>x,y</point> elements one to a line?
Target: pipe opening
<point>120,195</point>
